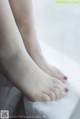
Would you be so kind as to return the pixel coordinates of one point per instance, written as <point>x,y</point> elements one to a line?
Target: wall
<point>58,26</point>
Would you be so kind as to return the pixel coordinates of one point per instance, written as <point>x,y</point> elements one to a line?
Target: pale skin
<point>17,65</point>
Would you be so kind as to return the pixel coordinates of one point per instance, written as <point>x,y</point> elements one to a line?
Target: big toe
<point>60,91</point>
<point>59,75</point>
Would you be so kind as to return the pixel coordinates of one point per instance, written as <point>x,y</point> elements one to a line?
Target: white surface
<point>62,108</point>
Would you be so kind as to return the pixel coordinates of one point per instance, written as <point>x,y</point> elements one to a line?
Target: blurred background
<point>58,26</point>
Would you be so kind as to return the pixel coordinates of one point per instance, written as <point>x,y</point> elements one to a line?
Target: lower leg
<point>23,14</point>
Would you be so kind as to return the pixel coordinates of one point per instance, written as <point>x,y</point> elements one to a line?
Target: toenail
<point>65,78</point>
<point>66,89</point>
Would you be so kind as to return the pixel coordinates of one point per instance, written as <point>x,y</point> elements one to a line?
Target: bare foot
<point>32,81</point>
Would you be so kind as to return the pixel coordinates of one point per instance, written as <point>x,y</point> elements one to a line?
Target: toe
<point>41,97</point>
<point>62,91</point>
<point>66,90</point>
<point>50,94</point>
<point>45,97</point>
<point>57,92</point>
<point>59,75</point>
<point>58,88</point>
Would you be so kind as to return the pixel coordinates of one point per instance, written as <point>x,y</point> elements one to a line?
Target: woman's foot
<point>24,18</point>
<point>32,81</point>
<point>18,66</point>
